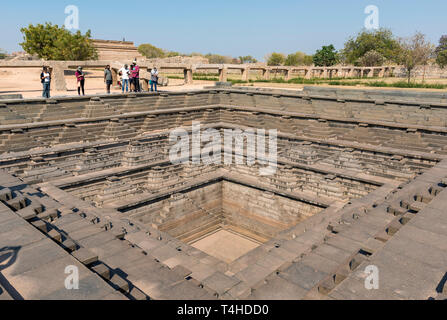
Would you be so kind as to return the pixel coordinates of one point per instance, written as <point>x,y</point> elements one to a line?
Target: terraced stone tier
<point>360,181</point>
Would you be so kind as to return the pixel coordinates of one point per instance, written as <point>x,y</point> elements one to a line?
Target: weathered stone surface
<point>360,180</point>
<point>85,256</point>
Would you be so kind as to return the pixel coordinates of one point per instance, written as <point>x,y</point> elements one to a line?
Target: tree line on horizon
<point>372,49</point>
<point>367,49</point>
<point>152,52</point>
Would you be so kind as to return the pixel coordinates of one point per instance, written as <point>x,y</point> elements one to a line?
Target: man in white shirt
<point>45,78</point>
<point>125,72</point>
<point>154,79</point>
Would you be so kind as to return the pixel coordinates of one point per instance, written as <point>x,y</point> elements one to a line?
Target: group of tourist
<point>129,79</point>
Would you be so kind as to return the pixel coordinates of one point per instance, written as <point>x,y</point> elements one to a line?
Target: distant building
<point>116,50</point>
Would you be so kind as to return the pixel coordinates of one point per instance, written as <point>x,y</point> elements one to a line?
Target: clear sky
<point>230,27</point>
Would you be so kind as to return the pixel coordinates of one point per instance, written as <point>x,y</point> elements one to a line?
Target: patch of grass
<point>234,81</point>
<point>382,84</point>
<point>212,75</point>
<point>205,78</point>
<point>175,77</point>
<point>405,84</point>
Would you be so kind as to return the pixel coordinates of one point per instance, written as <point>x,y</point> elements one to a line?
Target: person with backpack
<point>154,79</point>
<point>45,78</point>
<point>80,77</point>
<point>108,78</point>
<point>124,73</point>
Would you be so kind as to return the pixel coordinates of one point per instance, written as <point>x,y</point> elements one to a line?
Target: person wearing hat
<point>108,78</point>
<point>45,78</point>
<point>154,79</point>
<point>80,77</point>
<point>135,76</point>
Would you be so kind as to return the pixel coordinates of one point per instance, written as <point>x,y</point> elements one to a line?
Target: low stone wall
<point>427,72</point>
<point>377,94</point>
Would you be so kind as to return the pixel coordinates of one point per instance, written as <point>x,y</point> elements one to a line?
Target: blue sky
<point>231,27</point>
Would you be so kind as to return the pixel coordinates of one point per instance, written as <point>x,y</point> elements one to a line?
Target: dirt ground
<point>26,82</point>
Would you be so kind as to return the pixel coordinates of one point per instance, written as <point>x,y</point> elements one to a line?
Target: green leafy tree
<point>441,52</point>
<point>195,54</point>
<point>218,59</point>
<point>308,60</point>
<point>173,54</point>
<point>415,51</point>
<point>326,56</point>
<point>75,47</point>
<point>381,41</point>
<point>275,59</point>
<point>247,59</point>
<point>371,59</point>
<point>150,51</point>
<point>3,54</point>
<point>298,59</point>
<point>51,42</point>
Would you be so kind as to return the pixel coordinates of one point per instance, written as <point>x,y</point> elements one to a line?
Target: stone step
<point>201,232</point>
<point>4,295</point>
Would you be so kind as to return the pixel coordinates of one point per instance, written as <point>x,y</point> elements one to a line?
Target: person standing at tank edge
<point>108,78</point>
<point>45,78</point>
<point>80,77</point>
<point>125,72</point>
<point>135,75</point>
<point>154,79</point>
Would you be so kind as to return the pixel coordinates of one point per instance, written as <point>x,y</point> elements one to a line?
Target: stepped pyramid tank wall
<point>359,175</point>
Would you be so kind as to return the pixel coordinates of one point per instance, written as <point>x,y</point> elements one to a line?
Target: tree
<point>371,59</point>
<point>441,52</point>
<point>150,51</point>
<point>325,57</point>
<point>308,60</point>
<point>298,59</point>
<point>381,41</point>
<point>415,51</point>
<point>173,54</point>
<point>195,54</point>
<point>3,54</point>
<point>247,59</point>
<point>51,42</point>
<point>275,59</point>
<point>75,47</point>
<point>218,59</point>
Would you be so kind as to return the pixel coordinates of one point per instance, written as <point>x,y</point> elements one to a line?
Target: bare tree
<point>415,51</point>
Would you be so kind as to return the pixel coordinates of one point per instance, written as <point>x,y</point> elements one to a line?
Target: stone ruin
<point>116,50</point>
<point>361,181</point>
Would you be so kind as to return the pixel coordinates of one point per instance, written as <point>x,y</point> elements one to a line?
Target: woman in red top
<point>81,81</point>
